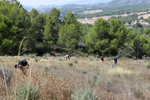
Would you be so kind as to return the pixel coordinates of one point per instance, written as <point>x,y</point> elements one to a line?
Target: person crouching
<point>67,57</point>
<point>23,65</point>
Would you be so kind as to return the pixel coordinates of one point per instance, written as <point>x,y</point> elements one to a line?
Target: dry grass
<point>56,79</point>
<point>118,71</point>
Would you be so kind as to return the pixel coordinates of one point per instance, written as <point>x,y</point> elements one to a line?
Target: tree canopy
<point>47,33</point>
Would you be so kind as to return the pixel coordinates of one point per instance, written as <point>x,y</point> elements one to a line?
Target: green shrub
<point>92,80</point>
<point>8,74</point>
<point>148,66</point>
<point>97,66</point>
<point>109,58</point>
<point>83,94</point>
<point>27,59</point>
<point>97,73</point>
<point>98,82</point>
<point>46,69</point>
<point>70,64</point>
<point>54,67</point>
<point>17,60</point>
<point>32,55</point>
<point>75,61</point>
<point>45,57</point>
<point>37,59</point>
<point>60,59</point>
<point>82,71</point>
<point>91,59</point>
<point>138,94</point>
<point>97,59</point>
<point>27,92</point>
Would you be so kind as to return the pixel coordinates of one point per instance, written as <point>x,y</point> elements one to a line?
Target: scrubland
<point>85,78</point>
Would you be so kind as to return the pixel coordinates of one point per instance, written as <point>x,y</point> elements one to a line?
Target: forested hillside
<point>128,2</point>
<point>116,7</point>
<point>47,33</point>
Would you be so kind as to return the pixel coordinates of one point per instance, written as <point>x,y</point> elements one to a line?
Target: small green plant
<point>32,55</point>
<point>148,66</point>
<point>46,69</point>
<point>97,59</point>
<point>138,94</point>
<point>109,58</point>
<point>27,59</point>
<point>98,82</point>
<point>82,71</point>
<point>91,59</point>
<point>8,74</point>
<point>60,59</point>
<point>27,92</point>
<point>70,64</point>
<point>97,66</point>
<point>83,94</point>
<point>45,57</point>
<point>97,73</point>
<point>17,60</point>
<point>37,59</point>
<point>53,67</point>
<point>75,61</point>
<point>92,80</point>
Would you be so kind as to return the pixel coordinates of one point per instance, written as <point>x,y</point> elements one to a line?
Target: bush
<point>32,55</point>
<point>83,94</point>
<point>83,71</point>
<point>8,74</point>
<point>27,91</point>
<point>138,94</point>
<point>60,59</point>
<point>17,60</point>
<point>75,61</point>
<point>70,64</point>
<point>46,69</point>
<point>92,80</point>
<point>37,59</point>
<point>109,58</point>
<point>91,59</point>
<point>148,66</point>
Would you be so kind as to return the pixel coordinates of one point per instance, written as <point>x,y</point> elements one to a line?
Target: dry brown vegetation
<point>57,78</point>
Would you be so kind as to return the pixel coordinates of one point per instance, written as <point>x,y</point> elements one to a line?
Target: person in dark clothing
<point>115,60</point>
<point>67,57</point>
<point>102,58</point>
<point>23,65</point>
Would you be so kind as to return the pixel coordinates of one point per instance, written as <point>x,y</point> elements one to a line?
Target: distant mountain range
<point>88,2</point>
<point>127,2</point>
<point>28,7</point>
<point>80,2</point>
<point>39,7</point>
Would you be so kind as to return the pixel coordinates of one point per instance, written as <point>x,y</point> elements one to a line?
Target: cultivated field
<point>91,11</point>
<point>92,20</point>
<point>54,78</point>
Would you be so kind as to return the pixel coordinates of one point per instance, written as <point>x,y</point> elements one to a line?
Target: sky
<point>35,3</point>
